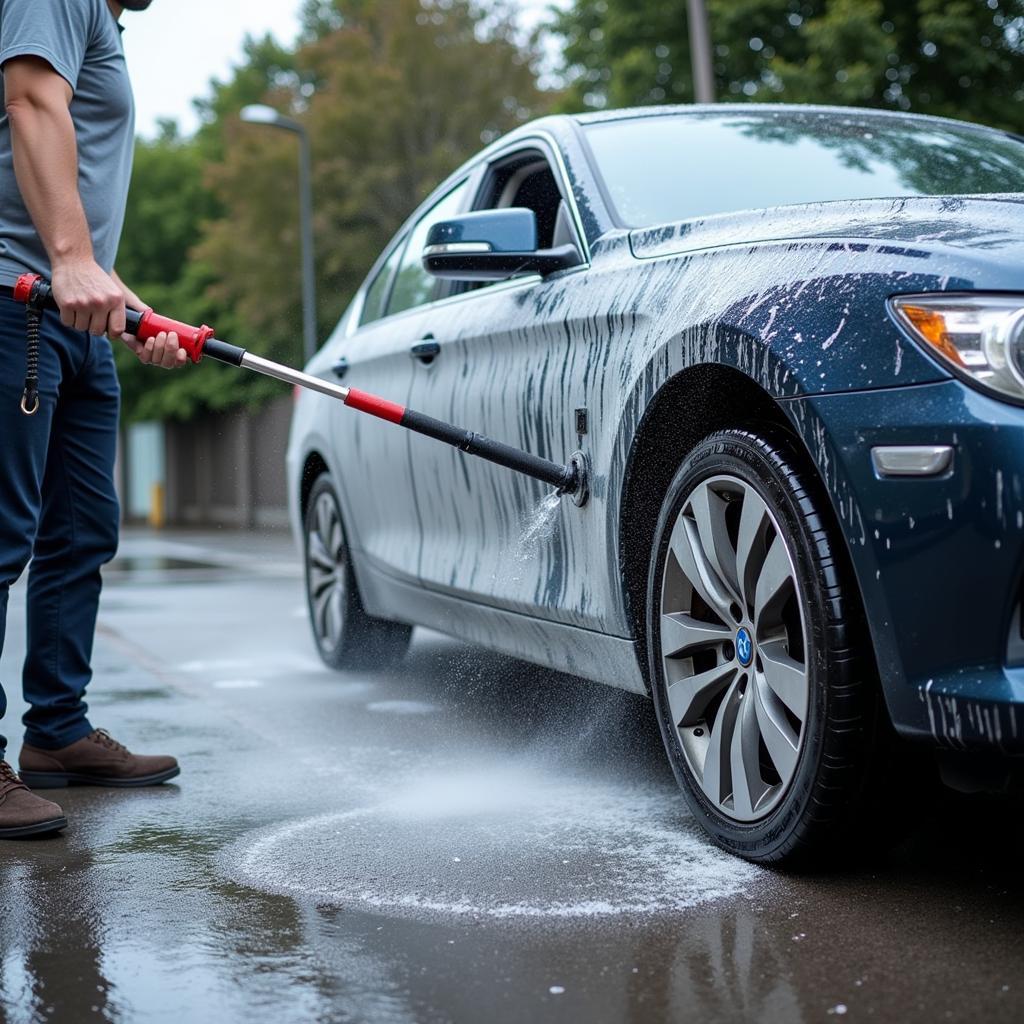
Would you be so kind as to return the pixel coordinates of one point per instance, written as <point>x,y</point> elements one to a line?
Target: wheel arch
<point>313,467</point>
<point>711,396</point>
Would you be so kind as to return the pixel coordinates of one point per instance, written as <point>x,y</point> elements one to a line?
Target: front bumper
<point>938,559</point>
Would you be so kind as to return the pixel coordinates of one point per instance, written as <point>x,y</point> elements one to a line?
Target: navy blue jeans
<point>58,508</point>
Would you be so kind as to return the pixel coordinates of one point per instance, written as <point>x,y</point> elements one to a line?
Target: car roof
<point>779,109</point>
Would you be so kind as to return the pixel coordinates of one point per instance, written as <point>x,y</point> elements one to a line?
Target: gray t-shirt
<point>81,40</point>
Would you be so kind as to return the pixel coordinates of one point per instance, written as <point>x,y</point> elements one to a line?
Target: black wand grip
<point>562,477</point>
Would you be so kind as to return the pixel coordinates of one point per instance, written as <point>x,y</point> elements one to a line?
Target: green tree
<point>266,68</point>
<point>170,209</point>
<point>956,58</point>
<point>395,94</point>
<point>167,208</point>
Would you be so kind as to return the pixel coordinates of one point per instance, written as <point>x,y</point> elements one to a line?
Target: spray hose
<point>570,478</point>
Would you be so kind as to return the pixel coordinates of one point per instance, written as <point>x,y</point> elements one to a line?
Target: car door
<point>372,455</point>
<point>504,367</point>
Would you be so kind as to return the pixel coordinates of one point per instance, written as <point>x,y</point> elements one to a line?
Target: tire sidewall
<point>755,462</point>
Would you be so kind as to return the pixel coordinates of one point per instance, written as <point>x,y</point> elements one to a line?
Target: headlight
<point>979,337</point>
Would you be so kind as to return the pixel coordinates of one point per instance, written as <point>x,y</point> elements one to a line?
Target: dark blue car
<point>790,342</point>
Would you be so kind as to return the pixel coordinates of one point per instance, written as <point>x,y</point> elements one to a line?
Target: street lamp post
<point>700,52</point>
<point>260,114</point>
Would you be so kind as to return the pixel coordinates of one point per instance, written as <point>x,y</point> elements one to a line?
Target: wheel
<point>345,635</point>
<point>765,711</point>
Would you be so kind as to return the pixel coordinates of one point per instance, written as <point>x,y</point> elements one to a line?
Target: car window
<point>671,168</point>
<point>524,180</point>
<point>413,285</point>
<point>533,187</point>
<point>377,292</point>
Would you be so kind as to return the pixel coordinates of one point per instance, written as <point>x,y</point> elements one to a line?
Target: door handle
<point>426,350</point>
<point>340,368</point>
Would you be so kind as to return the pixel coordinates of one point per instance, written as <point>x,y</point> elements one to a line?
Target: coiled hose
<point>33,326</point>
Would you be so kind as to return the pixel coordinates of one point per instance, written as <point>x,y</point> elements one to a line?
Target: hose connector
<point>577,479</point>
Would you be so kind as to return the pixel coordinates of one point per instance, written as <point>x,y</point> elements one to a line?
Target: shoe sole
<point>61,780</point>
<point>54,825</point>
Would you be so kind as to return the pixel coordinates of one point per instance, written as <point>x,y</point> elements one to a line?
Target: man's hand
<point>163,349</point>
<point>88,299</point>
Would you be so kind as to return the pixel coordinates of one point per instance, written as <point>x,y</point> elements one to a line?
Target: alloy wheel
<point>326,569</point>
<point>733,647</point>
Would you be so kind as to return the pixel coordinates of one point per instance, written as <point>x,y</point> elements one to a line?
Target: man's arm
<point>46,166</point>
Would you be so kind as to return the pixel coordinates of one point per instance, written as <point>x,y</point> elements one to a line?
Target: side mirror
<point>492,245</point>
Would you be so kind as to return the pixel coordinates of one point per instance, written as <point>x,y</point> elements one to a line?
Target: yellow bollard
<point>156,506</point>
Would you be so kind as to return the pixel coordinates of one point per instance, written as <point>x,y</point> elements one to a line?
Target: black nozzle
<point>577,484</point>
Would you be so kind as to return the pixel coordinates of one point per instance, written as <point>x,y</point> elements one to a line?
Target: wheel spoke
<point>682,634</point>
<point>748,787</point>
<point>686,546</point>
<point>336,544</point>
<point>689,697</point>
<point>709,515</point>
<point>320,611</point>
<point>320,599</point>
<point>318,555</point>
<point>786,677</point>
<point>334,615</point>
<point>749,539</point>
<point>774,576</point>
<point>324,510</point>
<point>782,743</point>
<point>715,777</point>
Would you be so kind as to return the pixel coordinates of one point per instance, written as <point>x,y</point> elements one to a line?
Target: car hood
<point>990,226</point>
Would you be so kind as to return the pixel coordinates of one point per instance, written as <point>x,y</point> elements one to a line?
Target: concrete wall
<point>227,469</point>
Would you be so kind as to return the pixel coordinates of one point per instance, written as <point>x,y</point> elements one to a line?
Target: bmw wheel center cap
<point>744,646</point>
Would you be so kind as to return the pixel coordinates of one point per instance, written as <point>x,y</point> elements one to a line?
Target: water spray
<point>571,479</point>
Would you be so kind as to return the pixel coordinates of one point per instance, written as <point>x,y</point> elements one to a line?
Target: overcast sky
<point>177,46</point>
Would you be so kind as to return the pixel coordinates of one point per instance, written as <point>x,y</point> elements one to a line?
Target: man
<point>65,159</point>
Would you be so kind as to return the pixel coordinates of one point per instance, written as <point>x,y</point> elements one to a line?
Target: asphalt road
<point>467,839</point>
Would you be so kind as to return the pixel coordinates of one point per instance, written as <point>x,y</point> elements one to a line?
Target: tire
<point>767,714</point>
<point>346,637</point>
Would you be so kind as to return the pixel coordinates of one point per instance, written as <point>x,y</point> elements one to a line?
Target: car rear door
<point>376,485</point>
<point>502,365</point>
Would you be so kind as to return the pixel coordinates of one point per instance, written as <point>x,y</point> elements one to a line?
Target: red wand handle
<point>33,290</point>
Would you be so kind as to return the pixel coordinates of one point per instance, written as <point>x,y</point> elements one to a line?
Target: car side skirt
<point>554,645</point>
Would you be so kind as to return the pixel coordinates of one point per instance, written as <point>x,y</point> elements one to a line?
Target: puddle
<point>118,696</point>
<point>498,844</point>
<point>154,563</point>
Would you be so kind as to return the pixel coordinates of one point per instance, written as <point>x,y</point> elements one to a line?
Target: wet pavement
<point>465,839</point>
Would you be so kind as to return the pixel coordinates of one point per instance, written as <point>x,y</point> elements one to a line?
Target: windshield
<point>667,168</point>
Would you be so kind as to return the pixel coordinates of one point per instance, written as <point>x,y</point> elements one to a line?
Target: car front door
<point>373,456</point>
<point>504,367</point>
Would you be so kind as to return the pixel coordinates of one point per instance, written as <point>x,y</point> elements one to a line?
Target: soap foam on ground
<point>498,844</point>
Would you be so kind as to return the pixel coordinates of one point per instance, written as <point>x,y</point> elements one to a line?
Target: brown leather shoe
<point>95,760</point>
<point>23,813</point>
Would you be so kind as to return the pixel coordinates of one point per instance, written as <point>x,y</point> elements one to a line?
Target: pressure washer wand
<point>197,342</point>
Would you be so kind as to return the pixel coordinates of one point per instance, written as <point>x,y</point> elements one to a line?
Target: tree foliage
<point>394,94</point>
<point>956,58</point>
